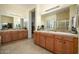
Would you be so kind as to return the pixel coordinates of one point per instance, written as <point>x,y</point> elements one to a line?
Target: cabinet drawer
<point>69,38</point>
<point>58,37</point>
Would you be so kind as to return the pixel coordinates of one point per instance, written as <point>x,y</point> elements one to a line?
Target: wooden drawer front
<point>58,37</point>
<point>69,38</point>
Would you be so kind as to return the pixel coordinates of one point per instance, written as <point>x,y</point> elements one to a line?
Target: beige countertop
<point>12,30</point>
<point>59,33</point>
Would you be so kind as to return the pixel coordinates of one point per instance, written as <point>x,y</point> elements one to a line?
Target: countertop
<point>59,33</point>
<point>12,30</point>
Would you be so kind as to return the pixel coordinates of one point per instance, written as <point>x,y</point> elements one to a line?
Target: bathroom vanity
<point>57,42</point>
<point>12,35</point>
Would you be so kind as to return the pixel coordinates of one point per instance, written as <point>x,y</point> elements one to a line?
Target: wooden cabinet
<point>25,34</point>
<point>0,40</point>
<point>60,44</point>
<point>66,44</point>
<point>70,46</point>
<point>14,35</point>
<point>75,44</point>
<point>50,42</point>
<point>20,35</point>
<point>42,40</point>
<point>8,36</point>
<point>36,38</point>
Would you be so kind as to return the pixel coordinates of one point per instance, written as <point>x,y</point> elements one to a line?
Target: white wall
<point>44,7</point>
<point>73,10</point>
<point>38,16</point>
<point>55,7</point>
<point>29,20</point>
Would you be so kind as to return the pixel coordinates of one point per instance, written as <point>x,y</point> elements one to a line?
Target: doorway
<point>32,22</point>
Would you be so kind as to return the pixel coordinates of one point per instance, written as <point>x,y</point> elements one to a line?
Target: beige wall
<point>63,15</point>
<point>6,19</point>
<point>13,9</point>
<point>38,17</point>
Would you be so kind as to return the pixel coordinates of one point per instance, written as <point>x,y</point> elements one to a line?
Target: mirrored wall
<point>9,22</point>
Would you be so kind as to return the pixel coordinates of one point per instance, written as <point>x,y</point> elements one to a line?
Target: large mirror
<point>9,22</point>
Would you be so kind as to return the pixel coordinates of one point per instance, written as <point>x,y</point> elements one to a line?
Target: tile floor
<point>25,46</point>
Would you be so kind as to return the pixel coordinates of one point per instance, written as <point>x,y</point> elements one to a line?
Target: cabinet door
<point>36,37</point>
<point>75,43</point>
<point>3,37</point>
<point>8,36</point>
<point>25,35</point>
<point>20,34</point>
<point>68,47</point>
<point>14,35</point>
<point>50,43</point>
<point>42,40</point>
<point>58,46</point>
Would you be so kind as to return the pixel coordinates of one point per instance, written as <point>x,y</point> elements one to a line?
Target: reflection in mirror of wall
<point>62,25</point>
<point>6,22</point>
<point>9,22</point>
